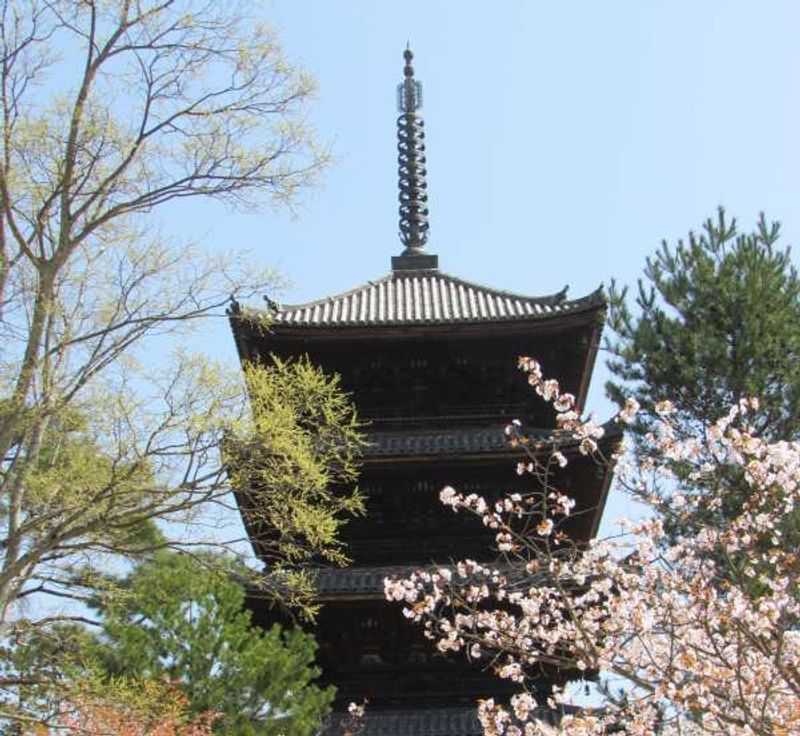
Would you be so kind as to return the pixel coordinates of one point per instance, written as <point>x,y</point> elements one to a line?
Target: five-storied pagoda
<point>430,360</point>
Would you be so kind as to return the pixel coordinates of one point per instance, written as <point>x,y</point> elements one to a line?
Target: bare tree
<point>111,109</point>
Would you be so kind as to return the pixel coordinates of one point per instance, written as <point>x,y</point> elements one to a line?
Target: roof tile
<point>419,297</point>
<point>447,721</point>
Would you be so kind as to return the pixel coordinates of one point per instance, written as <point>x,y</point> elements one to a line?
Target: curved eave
<point>248,327</point>
<point>478,443</point>
<point>360,583</point>
<point>447,721</point>
<point>405,325</point>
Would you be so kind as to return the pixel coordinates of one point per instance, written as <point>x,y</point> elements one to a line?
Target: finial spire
<point>409,91</point>
<point>411,174</point>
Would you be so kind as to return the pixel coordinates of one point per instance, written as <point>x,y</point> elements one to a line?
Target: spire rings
<point>413,194</point>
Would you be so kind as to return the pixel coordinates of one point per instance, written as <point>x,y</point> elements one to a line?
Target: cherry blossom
<point>702,634</point>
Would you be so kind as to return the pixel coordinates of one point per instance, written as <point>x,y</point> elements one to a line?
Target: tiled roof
<point>429,442</point>
<point>461,721</point>
<point>465,440</point>
<point>427,297</point>
<point>336,581</point>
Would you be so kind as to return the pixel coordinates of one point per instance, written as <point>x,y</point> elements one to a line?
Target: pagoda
<point>430,361</point>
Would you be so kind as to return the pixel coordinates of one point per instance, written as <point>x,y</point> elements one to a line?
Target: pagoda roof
<point>335,582</point>
<point>466,440</point>
<point>418,297</point>
<point>450,721</point>
<point>436,441</point>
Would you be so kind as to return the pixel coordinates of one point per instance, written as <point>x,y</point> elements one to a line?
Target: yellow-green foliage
<point>71,480</point>
<point>80,477</point>
<point>296,463</point>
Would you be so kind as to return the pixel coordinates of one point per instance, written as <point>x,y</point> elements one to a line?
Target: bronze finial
<point>411,170</point>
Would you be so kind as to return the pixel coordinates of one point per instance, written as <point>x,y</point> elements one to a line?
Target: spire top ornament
<point>411,173</point>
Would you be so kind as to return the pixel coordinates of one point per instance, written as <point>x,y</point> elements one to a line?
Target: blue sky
<point>565,139</point>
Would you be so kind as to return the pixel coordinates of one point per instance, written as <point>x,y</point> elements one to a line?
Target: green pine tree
<point>716,320</point>
<point>184,621</point>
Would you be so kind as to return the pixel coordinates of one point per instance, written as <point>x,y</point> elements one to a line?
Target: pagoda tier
<point>427,349</point>
<point>406,523</point>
